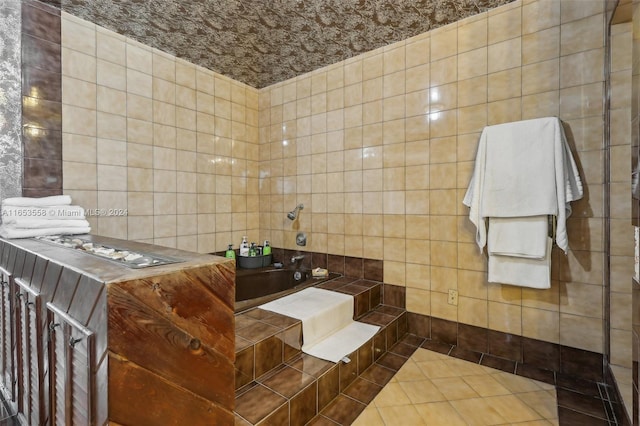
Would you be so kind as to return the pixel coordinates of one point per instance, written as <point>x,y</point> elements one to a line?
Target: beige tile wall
<point>621,260</point>
<point>172,144</point>
<point>380,148</point>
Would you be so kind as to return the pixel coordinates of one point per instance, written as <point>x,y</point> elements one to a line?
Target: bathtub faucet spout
<point>297,258</point>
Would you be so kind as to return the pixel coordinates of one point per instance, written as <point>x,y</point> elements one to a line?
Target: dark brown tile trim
<point>532,357</point>
<point>571,368</point>
<point>42,95</point>
<point>354,267</point>
<point>618,410</point>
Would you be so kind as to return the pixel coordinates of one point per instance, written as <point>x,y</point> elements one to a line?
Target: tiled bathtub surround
<point>278,384</point>
<point>353,267</point>
<point>380,149</point>
<point>10,110</point>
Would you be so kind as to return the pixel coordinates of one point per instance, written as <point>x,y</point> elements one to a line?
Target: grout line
<point>608,405</point>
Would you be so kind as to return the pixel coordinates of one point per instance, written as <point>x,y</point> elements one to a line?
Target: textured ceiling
<point>261,42</point>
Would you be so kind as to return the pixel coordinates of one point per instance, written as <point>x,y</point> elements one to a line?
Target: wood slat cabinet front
<point>8,339</point>
<point>71,366</point>
<point>31,354</point>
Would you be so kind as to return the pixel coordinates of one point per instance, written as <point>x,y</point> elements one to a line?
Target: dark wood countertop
<point>110,271</point>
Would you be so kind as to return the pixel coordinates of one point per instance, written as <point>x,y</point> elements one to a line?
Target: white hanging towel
<point>523,169</point>
<point>521,271</point>
<point>518,236</point>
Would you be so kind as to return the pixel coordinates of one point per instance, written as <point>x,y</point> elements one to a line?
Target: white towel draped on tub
<point>524,171</point>
<point>328,329</point>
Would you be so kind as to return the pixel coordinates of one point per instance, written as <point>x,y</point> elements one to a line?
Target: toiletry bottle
<point>252,250</point>
<point>244,247</point>
<point>266,248</point>
<point>230,253</point>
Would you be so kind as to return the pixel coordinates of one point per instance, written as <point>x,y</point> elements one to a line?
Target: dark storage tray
<point>253,262</point>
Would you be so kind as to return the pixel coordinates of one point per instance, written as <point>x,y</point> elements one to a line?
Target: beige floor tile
<point>515,383</point>
<point>401,416</point>
<point>542,402</point>
<point>422,355</point>
<point>369,417</point>
<point>435,389</point>
<point>546,386</point>
<point>437,369</point>
<point>391,395</point>
<point>440,413</point>
<point>409,372</point>
<point>513,409</point>
<point>465,368</point>
<point>454,388</point>
<point>422,391</point>
<point>478,411</point>
<point>486,385</point>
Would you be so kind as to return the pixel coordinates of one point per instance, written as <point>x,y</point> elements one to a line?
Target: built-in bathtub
<point>257,286</point>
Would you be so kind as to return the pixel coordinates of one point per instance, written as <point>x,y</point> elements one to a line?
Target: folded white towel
<point>54,200</point>
<point>520,271</point>
<point>12,213</point>
<point>8,231</point>
<point>523,169</point>
<point>518,236</point>
<point>25,223</point>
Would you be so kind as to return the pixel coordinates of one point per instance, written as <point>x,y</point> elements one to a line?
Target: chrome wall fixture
<point>293,214</point>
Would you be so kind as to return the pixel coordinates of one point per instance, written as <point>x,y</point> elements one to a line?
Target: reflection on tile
<point>38,53</point>
<point>255,404</point>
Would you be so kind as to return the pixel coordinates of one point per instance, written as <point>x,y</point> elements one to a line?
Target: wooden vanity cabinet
<point>71,361</point>
<point>8,340</point>
<point>31,355</point>
<point>85,341</point>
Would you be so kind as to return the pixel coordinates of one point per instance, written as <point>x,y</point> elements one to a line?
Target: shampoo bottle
<point>266,248</point>
<point>244,247</point>
<point>230,253</point>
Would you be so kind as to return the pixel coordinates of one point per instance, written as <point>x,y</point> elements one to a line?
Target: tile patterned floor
<point>436,389</point>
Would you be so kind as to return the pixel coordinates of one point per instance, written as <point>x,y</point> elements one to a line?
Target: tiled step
<point>264,340</point>
<point>278,384</point>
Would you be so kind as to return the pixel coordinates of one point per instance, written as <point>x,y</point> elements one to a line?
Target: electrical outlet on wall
<point>453,297</point>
